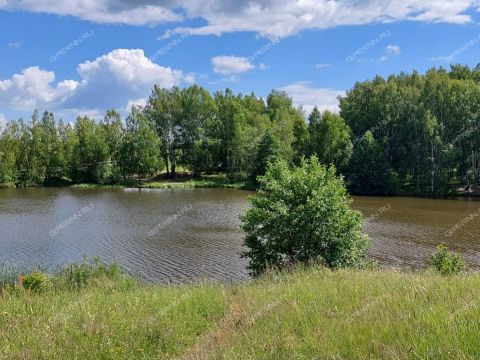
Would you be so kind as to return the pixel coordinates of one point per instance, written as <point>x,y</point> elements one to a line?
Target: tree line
<point>410,132</point>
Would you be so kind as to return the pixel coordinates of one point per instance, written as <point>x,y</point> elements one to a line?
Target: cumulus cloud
<point>270,18</point>
<point>112,80</point>
<point>390,51</point>
<point>308,97</point>
<point>229,65</point>
<point>33,86</point>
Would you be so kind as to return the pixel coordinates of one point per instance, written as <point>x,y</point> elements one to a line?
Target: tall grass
<point>307,314</point>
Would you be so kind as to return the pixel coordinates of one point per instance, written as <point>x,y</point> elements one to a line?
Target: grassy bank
<point>205,181</point>
<point>182,182</point>
<point>314,314</point>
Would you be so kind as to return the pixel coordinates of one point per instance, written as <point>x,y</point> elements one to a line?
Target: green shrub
<point>81,274</point>
<point>35,281</point>
<point>446,262</point>
<point>303,216</point>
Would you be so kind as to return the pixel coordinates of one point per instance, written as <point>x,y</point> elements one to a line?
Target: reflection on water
<point>174,236</point>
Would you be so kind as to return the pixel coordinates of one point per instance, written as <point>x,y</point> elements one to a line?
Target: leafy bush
<point>303,216</point>
<point>446,262</point>
<point>35,281</point>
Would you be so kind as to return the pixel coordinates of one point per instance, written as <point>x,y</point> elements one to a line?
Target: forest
<point>410,133</point>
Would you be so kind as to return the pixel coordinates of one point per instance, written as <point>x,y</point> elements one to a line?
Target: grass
<point>182,182</point>
<point>307,314</point>
<point>88,186</point>
<point>205,181</point>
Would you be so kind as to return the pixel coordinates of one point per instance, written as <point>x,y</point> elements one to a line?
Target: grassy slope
<point>304,315</point>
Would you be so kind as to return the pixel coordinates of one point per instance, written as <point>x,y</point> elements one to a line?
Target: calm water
<point>175,236</point>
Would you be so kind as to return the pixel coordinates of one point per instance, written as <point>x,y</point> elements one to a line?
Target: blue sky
<point>85,56</point>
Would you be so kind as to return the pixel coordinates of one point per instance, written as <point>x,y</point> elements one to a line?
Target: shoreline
<point>221,181</point>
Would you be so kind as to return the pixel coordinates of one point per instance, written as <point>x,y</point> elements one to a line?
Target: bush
<point>35,281</point>
<point>303,216</point>
<point>446,262</point>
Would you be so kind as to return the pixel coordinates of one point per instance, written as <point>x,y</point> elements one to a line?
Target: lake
<point>178,236</point>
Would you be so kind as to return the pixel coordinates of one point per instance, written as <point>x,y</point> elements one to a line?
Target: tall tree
<point>165,112</point>
<point>369,172</point>
<point>140,153</point>
<point>113,130</point>
<point>268,152</point>
<point>90,154</point>
<point>330,138</point>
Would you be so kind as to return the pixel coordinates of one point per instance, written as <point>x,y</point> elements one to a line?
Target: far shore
<point>187,180</point>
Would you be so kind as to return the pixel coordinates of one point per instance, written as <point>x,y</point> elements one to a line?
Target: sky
<point>82,57</point>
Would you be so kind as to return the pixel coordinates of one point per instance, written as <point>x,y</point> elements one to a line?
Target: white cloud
<point>323,66</point>
<point>228,65</point>
<point>270,18</point>
<point>110,81</point>
<point>138,102</point>
<point>392,50</point>
<point>389,52</point>
<point>33,86</point>
<point>279,18</point>
<point>15,45</point>
<point>101,11</point>
<point>309,97</point>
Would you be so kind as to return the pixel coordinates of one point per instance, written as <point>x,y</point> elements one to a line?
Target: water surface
<point>175,236</point>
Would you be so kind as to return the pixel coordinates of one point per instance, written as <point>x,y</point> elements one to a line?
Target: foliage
<point>446,262</point>
<point>140,151</point>
<point>368,170</point>
<point>425,132</point>
<point>427,125</point>
<point>268,152</point>
<point>35,281</point>
<point>301,216</point>
<point>330,138</point>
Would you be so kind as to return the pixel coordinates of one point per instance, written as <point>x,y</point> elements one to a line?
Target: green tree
<point>197,108</point>
<point>140,152</point>
<point>113,130</point>
<point>284,117</point>
<point>90,154</point>
<point>368,170</point>
<point>330,139</point>
<point>301,216</point>
<point>164,109</point>
<point>268,152</point>
<point>9,148</point>
<point>52,156</point>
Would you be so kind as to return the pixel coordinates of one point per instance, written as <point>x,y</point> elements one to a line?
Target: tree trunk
<point>173,164</point>
<point>166,164</point>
